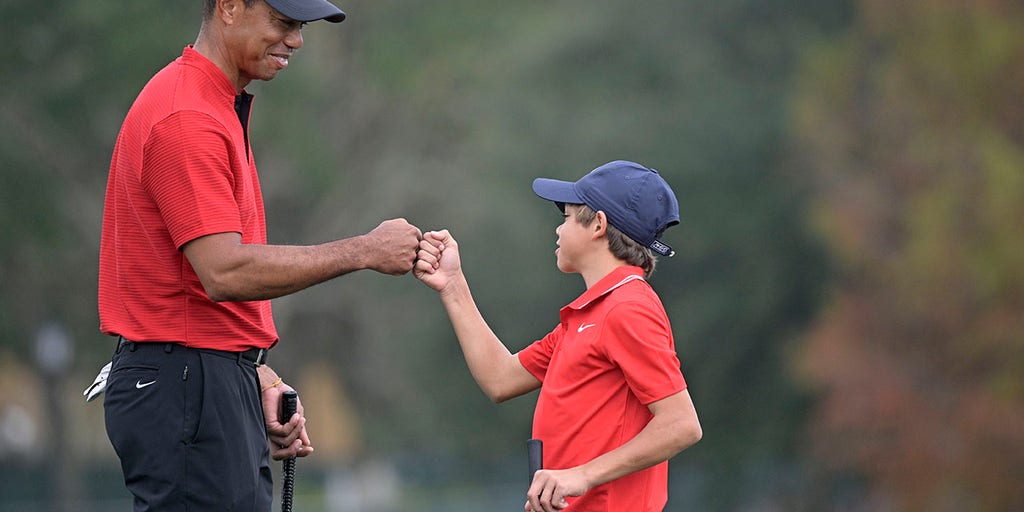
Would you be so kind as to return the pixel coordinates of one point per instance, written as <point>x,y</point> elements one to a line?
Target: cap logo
<point>659,247</point>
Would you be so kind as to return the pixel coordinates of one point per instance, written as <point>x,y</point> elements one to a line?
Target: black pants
<point>188,427</point>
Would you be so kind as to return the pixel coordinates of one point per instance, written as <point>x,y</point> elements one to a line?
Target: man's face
<point>263,41</point>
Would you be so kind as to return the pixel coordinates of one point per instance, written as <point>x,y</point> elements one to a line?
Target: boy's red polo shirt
<point>611,355</point>
<point>182,168</point>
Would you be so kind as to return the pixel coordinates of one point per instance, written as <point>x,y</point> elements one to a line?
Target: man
<point>613,404</point>
<point>186,275</point>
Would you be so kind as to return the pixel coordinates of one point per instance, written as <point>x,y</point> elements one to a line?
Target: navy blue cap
<point>636,200</point>
<point>308,10</point>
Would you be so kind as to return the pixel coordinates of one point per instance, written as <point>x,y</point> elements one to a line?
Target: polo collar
<point>614,279</point>
<point>192,57</point>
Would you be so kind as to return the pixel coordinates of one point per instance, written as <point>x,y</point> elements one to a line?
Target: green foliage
<point>65,88</point>
<point>914,135</point>
<point>459,107</point>
<point>443,113</point>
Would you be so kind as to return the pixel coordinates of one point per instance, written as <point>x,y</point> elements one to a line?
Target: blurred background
<point>848,291</point>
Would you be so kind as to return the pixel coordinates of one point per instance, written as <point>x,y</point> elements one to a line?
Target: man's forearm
<point>233,271</point>
<point>273,271</point>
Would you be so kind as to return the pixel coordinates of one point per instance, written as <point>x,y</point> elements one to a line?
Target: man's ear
<point>228,10</point>
<point>599,227</point>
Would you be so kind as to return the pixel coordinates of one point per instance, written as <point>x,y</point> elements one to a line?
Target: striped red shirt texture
<point>611,356</point>
<point>181,169</point>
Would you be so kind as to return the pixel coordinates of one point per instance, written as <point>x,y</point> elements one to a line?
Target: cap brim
<point>308,10</point>
<point>556,190</point>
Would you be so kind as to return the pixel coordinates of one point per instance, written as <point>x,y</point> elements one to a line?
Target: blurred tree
<point>443,112</point>
<point>68,80</point>
<point>71,70</point>
<point>914,127</point>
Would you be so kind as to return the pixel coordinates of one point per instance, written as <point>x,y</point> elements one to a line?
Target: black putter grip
<point>289,406</point>
<point>535,456</point>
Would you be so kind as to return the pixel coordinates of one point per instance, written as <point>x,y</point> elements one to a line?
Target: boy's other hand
<point>550,488</point>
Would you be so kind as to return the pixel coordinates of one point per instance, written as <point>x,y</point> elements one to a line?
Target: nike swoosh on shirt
<point>584,327</point>
<point>140,384</point>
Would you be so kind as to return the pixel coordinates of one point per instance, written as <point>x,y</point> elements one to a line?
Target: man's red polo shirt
<point>182,168</point>
<point>611,355</point>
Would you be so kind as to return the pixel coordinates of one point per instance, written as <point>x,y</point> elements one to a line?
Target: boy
<point>613,404</point>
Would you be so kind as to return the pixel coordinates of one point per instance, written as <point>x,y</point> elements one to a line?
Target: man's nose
<point>294,38</point>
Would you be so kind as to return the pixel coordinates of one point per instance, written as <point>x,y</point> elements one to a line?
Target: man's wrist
<point>268,377</point>
<point>277,383</point>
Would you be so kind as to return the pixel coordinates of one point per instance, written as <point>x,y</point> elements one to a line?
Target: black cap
<point>308,10</point>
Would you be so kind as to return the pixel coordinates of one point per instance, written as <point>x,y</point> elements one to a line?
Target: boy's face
<point>573,241</point>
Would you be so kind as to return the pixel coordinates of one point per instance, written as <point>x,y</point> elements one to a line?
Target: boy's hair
<point>620,245</point>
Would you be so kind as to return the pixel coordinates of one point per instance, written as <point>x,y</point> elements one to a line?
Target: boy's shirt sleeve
<point>639,340</point>
<point>537,356</point>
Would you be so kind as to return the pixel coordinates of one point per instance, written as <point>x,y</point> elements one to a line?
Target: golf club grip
<point>289,406</point>
<point>535,456</point>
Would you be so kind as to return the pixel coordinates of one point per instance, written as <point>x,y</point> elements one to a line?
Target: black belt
<point>253,356</point>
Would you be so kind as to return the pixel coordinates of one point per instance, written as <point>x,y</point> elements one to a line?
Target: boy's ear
<point>600,225</point>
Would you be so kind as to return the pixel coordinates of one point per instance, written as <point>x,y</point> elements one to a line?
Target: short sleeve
<point>188,173</point>
<point>639,341</point>
<point>537,356</point>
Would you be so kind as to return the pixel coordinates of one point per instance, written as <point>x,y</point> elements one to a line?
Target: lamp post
<point>54,352</point>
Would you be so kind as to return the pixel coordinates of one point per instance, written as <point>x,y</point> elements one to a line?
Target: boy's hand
<point>551,487</point>
<point>437,261</point>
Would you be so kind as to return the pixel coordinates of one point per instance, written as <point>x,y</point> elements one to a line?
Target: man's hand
<point>289,438</point>
<point>550,488</point>
<point>392,247</point>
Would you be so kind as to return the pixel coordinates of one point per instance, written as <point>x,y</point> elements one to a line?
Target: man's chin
<point>267,76</point>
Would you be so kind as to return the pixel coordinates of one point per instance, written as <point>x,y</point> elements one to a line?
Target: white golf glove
<point>99,385</point>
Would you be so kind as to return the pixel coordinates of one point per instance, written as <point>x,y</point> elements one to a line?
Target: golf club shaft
<point>535,456</point>
<point>289,406</point>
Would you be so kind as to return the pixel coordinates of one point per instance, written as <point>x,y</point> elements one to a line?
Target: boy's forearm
<point>487,357</point>
<point>663,437</point>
